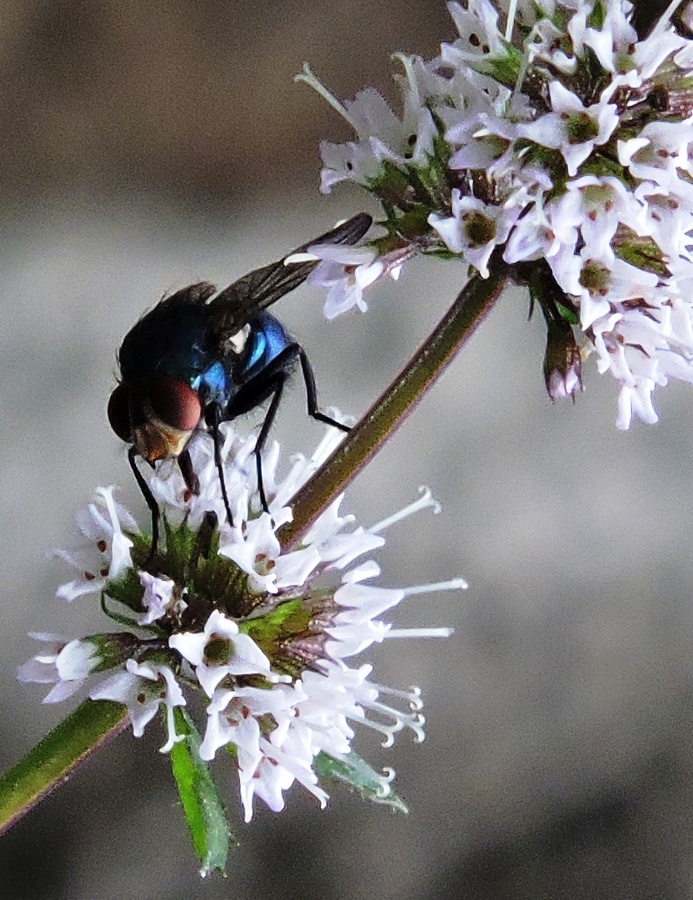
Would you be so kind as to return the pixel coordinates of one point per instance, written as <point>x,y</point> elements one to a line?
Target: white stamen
<point>409,74</point>
<point>424,501</point>
<point>412,696</point>
<point>307,77</point>
<point>664,21</point>
<point>455,584</point>
<point>510,24</point>
<point>388,731</point>
<point>413,720</point>
<point>420,632</point>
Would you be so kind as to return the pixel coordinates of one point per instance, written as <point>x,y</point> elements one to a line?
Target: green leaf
<point>359,775</point>
<point>567,314</point>
<point>204,811</point>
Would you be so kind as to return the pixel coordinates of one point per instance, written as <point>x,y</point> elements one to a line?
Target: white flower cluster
<point>264,634</point>
<point>565,142</point>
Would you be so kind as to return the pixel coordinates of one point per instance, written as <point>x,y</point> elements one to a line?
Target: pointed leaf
<point>359,775</point>
<point>204,811</point>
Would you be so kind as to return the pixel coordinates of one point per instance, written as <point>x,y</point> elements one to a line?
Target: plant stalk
<point>390,410</point>
<point>54,759</point>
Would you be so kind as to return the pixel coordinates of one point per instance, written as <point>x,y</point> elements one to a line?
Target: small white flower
<point>572,127</point>
<point>535,237</point>
<point>610,40</point>
<point>484,141</point>
<point>105,551</point>
<point>233,717</point>
<point>356,626</point>
<point>64,664</point>
<point>474,229</point>
<point>158,598</point>
<point>143,688</point>
<point>643,347</point>
<point>172,491</point>
<point>660,154</point>
<point>221,650</point>
<point>255,551</point>
<point>346,272</point>
<point>477,25</point>
<point>382,137</point>
<point>279,767</point>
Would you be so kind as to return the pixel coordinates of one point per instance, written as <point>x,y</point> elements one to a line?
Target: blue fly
<point>200,358</point>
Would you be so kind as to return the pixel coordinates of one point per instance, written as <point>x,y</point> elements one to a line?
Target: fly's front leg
<point>192,482</point>
<point>150,501</point>
<point>214,419</point>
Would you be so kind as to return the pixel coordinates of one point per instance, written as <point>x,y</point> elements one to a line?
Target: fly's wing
<point>231,309</point>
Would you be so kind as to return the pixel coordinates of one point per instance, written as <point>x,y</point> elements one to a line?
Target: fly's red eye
<point>119,413</point>
<point>174,402</point>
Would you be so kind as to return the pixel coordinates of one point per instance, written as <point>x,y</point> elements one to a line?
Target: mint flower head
<point>266,636</point>
<point>556,145</point>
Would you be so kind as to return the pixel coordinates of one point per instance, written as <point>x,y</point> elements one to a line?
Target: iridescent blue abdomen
<point>267,339</point>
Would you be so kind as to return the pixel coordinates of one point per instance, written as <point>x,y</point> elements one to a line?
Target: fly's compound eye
<point>174,403</point>
<point>119,413</point>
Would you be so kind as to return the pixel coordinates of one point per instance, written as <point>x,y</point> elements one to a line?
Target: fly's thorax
<point>170,338</point>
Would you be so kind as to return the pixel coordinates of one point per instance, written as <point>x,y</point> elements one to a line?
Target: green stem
<point>54,759</point>
<point>391,409</point>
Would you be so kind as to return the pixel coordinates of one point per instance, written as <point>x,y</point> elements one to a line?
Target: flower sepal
<point>357,774</point>
<point>562,362</point>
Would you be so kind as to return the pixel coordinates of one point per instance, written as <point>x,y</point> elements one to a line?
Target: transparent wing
<point>234,306</point>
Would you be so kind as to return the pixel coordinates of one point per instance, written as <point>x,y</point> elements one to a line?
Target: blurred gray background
<point>147,145</point>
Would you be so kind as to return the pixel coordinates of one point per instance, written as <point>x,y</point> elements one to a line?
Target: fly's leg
<point>312,393</point>
<point>215,419</point>
<point>150,501</point>
<point>270,385</point>
<point>275,388</point>
<point>192,482</point>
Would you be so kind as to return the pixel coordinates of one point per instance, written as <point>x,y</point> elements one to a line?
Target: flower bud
<point>562,362</point>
